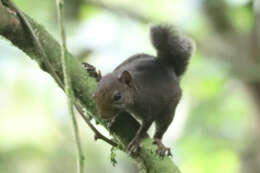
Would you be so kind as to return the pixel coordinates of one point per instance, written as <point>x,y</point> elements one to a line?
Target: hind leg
<point>162,125</point>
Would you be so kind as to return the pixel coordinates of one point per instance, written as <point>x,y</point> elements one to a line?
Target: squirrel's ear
<point>126,78</point>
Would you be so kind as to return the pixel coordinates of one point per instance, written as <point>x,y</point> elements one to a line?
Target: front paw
<point>161,149</point>
<point>92,71</point>
<point>111,123</point>
<point>134,146</point>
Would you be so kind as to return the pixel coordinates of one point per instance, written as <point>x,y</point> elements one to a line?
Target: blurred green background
<point>217,124</point>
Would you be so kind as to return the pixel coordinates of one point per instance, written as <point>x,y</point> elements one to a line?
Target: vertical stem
<point>68,88</point>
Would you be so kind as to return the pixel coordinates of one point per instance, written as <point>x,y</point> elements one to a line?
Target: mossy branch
<point>124,127</point>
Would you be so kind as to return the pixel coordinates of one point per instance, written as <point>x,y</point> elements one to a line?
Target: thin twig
<point>68,87</point>
<point>98,135</point>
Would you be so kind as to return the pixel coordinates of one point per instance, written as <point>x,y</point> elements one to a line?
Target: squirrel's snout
<point>106,114</point>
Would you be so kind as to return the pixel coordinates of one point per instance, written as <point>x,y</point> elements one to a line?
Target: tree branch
<point>120,10</point>
<point>218,15</point>
<point>240,51</point>
<point>124,127</point>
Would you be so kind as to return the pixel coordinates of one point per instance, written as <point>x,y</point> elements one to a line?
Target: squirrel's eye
<point>117,96</point>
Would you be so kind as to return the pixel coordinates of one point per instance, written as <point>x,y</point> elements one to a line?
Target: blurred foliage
<point>35,130</point>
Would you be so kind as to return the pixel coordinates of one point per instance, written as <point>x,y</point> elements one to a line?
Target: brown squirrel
<point>147,87</point>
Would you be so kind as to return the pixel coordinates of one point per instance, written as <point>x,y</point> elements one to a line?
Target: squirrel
<point>148,87</point>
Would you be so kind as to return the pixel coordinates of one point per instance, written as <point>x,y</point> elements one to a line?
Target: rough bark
<point>125,125</point>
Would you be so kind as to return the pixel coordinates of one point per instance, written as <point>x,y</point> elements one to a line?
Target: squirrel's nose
<point>105,114</point>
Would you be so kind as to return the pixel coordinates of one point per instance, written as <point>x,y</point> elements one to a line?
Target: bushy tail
<point>171,46</point>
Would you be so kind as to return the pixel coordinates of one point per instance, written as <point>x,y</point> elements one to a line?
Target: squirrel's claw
<point>111,122</point>
<point>161,149</point>
<point>92,71</point>
<point>134,146</point>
